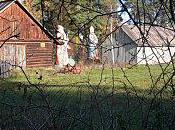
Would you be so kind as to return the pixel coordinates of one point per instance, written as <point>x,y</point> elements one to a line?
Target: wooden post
<point>111,39</point>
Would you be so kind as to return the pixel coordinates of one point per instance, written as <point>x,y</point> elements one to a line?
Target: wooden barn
<point>155,45</point>
<point>23,40</point>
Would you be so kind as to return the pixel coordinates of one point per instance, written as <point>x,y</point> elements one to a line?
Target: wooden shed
<point>23,40</point>
<point>153,46</point>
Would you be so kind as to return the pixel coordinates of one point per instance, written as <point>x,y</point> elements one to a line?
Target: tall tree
<point>74,14</point>
<point>150,11</point>
<point>34,8</point>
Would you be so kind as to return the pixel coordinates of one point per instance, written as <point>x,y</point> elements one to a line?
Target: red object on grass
<point>76,70</point>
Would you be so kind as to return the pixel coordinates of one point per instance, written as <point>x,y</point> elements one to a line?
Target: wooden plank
<point>39,65</point>
<point>38,60</point>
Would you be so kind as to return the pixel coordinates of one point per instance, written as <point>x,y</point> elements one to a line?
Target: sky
<point>124,15</point>
<point>21,1</point>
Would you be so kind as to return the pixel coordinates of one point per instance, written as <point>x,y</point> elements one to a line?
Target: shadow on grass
<point>84,106</point>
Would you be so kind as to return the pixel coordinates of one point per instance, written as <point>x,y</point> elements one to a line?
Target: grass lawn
<point>95,99</point>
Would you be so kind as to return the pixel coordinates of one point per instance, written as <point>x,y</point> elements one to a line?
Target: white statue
<point>93,41</point>
<point>81,37</point>
<point>62,54</point>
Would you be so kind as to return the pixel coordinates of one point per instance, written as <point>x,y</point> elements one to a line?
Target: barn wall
<point>38,56</point>
<point>125,51</point>
<point>37,46</point>
<point>154,55</point>
<point>14,20</point>
<point>106,55</point>
<point>33,54</point>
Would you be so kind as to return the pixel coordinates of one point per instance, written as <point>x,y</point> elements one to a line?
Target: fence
<point>5,69</point>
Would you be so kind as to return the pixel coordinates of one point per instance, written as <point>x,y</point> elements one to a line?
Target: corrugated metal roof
<point>4,5</point>
<point>150,36</point>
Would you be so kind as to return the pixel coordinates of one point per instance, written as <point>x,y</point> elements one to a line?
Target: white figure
<point>62,54</point>
<point>81,37</point>
<point>93,41</point>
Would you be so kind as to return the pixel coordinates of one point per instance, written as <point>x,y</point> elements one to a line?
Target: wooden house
<point>23,40</point>
<point>149,45</point>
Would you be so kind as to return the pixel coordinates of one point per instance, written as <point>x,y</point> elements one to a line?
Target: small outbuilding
<point>23,40</point>
<point>143,45</point>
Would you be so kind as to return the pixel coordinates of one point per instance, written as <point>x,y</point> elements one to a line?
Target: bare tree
<point>108,95</point>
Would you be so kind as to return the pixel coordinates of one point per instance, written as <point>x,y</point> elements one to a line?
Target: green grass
<point>95,99</point>
<point>138,75</point>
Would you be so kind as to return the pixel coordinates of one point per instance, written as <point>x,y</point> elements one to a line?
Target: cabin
<point>23,40</point>
<point>149,45</point>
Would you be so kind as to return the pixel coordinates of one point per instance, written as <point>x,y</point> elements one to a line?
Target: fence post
<point>4,69</point>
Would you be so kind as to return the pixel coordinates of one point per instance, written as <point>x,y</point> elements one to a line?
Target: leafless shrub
<point>112,103</point>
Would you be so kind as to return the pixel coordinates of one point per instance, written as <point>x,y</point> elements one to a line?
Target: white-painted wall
<point>154,55</point>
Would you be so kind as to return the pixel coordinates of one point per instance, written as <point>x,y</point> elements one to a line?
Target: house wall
<point>37,46</point>
<point>106,55</point>
<point>125,52</point>
<point>124,49</point>
<point>128,52</point>
<point>154,55</point>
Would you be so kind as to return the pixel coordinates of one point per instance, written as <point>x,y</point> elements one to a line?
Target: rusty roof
<point>150,35</point>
